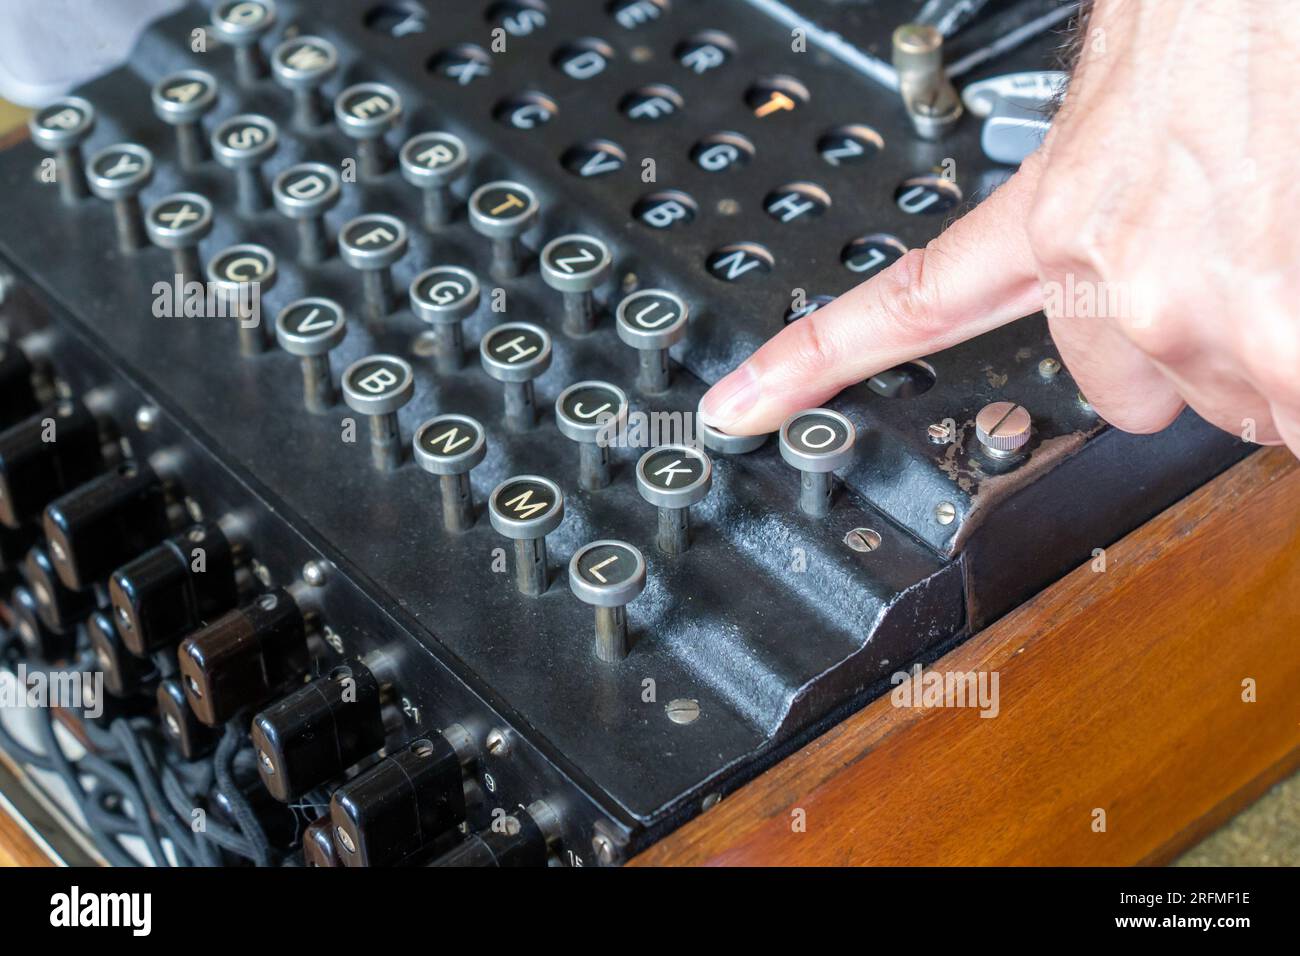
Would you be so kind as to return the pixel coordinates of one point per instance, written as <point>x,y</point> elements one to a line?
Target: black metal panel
<point>770,622</point>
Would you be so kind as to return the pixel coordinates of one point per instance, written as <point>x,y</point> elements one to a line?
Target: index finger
<point>977,275</point>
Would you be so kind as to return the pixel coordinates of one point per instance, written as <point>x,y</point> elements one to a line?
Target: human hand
<point>1163,192</point>
<point>49,46</point>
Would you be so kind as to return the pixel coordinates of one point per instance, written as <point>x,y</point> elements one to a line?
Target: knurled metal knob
<point>1003,428</point>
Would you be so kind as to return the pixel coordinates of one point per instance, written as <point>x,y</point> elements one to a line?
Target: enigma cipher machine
<point>350,472</point>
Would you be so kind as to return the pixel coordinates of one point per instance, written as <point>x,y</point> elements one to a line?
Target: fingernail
<point>730,399</point>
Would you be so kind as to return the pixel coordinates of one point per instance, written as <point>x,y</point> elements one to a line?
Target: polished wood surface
<point>1120,692</point>
<point>13,124</point>
<point>16,847</point>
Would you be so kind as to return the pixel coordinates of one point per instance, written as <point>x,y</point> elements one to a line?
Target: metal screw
<point>940,433</point>
<point>424,345</point>
<point>345,839</point>
<point>863,539</point>
<point>728,207</point>
<point>1049,367</point>
<point>606,853</point>
<point>928,106</point>
<point>945,512</point>
<point>498,745</point>
<point>313,573</point>
<point>1083,402</point>
<point>711,801</point>
<point>146,417</point>
<point>683,710</point>
<point>918,38</point>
